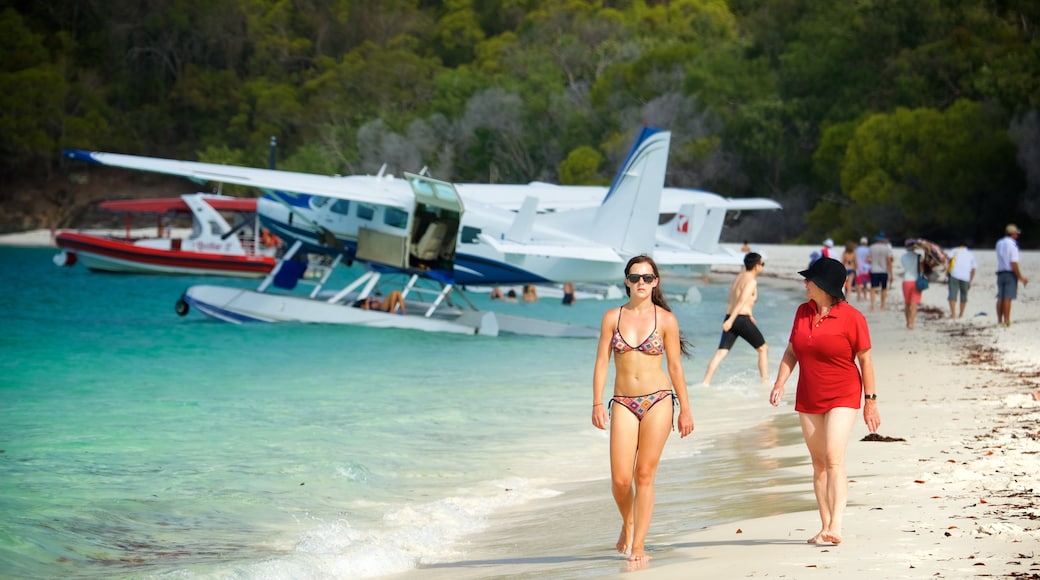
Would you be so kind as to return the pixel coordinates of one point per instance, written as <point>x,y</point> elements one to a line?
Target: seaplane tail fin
<point>627,218</point>
<point>696,226</point>
<point>706,237</point>
<point>523,223</point>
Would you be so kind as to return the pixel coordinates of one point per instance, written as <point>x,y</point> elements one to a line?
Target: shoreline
<point>956,498</point>
<point>959,497</point>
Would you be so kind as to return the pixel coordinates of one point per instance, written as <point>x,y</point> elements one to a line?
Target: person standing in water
<point>638,334</point>
<point>739,321</point>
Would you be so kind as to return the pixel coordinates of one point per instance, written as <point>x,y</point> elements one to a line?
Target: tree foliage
<point>930,173</point>
<point>906,116</point>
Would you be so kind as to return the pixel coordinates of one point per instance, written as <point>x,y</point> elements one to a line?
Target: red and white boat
<point>214,246</point>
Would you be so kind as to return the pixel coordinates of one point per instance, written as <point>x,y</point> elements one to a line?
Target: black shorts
<point>744,328</point>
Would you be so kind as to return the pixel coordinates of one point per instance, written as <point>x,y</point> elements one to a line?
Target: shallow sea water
<point>137,443</point>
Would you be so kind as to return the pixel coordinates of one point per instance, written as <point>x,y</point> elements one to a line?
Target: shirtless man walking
<point>739,320</point>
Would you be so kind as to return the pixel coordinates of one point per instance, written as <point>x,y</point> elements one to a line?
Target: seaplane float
<point>421,254</point>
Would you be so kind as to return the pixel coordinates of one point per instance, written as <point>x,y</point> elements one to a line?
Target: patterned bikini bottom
<point>640,404</point>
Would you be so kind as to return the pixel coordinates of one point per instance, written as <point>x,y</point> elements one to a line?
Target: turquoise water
<point>139,443</point>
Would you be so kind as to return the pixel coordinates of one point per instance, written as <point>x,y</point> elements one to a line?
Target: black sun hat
<point>829,275</point>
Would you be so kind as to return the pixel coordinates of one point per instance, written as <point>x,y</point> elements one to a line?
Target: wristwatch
<point>872,397</point>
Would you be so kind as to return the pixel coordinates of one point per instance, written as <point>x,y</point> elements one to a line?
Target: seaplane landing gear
<point>181,306</point>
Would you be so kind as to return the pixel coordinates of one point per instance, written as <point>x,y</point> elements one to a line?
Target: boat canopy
<point>178,205</point>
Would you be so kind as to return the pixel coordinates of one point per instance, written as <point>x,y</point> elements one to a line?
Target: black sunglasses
<point>648,278</point>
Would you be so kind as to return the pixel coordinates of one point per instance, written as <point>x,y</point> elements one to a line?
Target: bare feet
<point>639,555</point>
<point>824,538</point>
<point>1036,395</point>
<point>831,539</point>
<point>622,541</point>
<point>641,564</point>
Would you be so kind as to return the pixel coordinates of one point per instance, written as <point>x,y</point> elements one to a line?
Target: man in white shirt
<point>962,274</point>
<point>880,258</point>
<point>1008,274</point>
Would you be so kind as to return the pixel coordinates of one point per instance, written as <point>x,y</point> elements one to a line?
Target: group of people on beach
<point>869,270</point>
<point>829,338</point>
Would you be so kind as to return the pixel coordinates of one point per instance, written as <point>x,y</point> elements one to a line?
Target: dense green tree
<point>782,98</point>
<point>31,99</point>
<point>581,167</point>
<point>923,172</point>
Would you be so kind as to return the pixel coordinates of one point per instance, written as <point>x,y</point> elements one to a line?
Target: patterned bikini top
<point>653,344</point>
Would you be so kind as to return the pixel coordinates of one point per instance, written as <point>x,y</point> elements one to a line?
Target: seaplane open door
<point>429,244</point>
<point>435,224</point>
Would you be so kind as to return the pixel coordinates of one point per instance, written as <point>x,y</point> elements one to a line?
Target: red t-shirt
<point>829,376</point>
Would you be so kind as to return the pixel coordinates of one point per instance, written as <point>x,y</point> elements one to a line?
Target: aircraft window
<point>341,206</point>
<point>365,211</point>
<point>395,217</point>
<point>421,185</point>
<point>445,192</point>
<point>469,234</point>
<point>317,201</point>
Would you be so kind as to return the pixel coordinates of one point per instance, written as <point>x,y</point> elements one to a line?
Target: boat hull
<point>110,255</point>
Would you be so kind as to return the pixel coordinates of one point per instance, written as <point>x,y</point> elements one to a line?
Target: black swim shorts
<point>744,328</point>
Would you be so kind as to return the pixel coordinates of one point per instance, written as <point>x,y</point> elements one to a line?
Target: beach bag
<point>922,282</point>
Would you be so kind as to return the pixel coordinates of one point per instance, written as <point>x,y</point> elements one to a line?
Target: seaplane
<point>428,300</point>
<point>689,227</point>
<point>214,246</point>
<point>510,234</point>
<point>493,245</point>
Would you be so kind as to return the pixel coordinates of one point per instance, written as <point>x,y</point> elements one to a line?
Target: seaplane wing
<point>392,221</point>
<point>598,253</point>
<point>362,189</point>
<point>673,199</point>
<point>685,257</point>
<point>556,198</point>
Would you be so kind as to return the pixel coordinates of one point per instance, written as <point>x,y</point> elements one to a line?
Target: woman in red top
<point>828,338</point>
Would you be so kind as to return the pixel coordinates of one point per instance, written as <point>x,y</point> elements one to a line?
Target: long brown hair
<point>656,295</point>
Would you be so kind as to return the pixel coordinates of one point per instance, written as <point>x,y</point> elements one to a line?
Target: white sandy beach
<point>960,497</point>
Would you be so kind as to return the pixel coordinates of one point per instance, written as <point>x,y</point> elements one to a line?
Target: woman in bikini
<point>638,334</point>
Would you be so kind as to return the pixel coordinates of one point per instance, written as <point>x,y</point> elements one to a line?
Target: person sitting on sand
<point>828,337</point>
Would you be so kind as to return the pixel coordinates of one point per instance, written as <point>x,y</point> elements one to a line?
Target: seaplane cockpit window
<point>341,206</point>
<point>319,202</point>
<point>365,211</point>
<point>395,217</point>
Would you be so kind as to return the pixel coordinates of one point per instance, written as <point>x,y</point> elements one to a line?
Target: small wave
<point>407,536</point>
